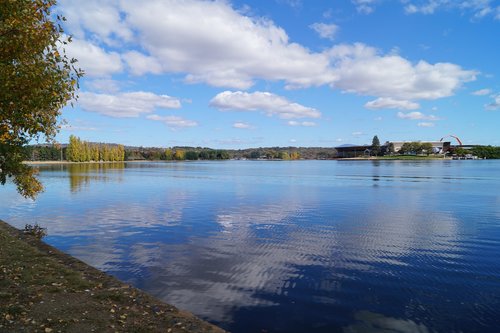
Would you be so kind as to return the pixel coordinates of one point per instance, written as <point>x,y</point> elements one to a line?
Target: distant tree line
<point>199,153</point>
<point>286,153</point>
<point>175,154</point>
<point>489,152</point>
<point>83,151</point>
<point>44,153</point>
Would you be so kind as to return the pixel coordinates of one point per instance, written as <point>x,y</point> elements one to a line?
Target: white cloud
<point>308,123</point>
<point>292,3</point>
<point>390,103</point>
<point>70,128</point>
<point>94,60</point>
<point>140,64</point>
<point>301,123</point>
<point>236,141</point>
<point>425,124</point>
<point>364,6</point>
<point>292,140</point>
<point>358,133</point>
<point>483,12</point>
<point>267,102</point>
<point>360,69</point>
<point>100,19</point>
<point>478,8</point>
<point>173,122</point>
<point>427,8</point>
<point>495,105</point>
<point>216,44</point>
<point>324,30</point>
<point>126,105</point>
<point>103,85</point>
<point>242,125</point>
<point>482,92</point>
<point>416,116</point>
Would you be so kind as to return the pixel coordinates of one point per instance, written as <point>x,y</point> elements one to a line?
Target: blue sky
<point>256,73</point>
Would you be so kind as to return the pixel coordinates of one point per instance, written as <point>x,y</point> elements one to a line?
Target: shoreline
<point>395,158</point>
<point>69,162</point>
<point>46,290</point>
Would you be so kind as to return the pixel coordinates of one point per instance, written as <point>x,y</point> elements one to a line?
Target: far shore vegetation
<point>78,150</point>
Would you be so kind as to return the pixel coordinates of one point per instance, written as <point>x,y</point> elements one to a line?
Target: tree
<point>460,151</point>
<point>204,155</point>
<point>222,155</point>
<point>406,148</point>
<point>427,148</point>
<point>168,154</point>
<point>486,151</point>
<point>417,147</point>
<point>191,155</point>
<point>37,79</point>
<point>284,155</point>
<point>255,154</point>
<point>375,146</point>
<point>390,148</point>
<point>180,155</point>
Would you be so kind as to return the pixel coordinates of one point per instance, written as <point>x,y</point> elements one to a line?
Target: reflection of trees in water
<point>83,173</point>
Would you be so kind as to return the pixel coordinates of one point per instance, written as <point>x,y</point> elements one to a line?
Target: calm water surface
<point>306,246</point>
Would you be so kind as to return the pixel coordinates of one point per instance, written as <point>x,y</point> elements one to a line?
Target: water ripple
<point>288,247</point>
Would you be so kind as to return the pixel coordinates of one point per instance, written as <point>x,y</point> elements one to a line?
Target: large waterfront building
<point>346,151</point>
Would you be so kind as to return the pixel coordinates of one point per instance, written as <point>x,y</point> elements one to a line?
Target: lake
<point>291,246</point>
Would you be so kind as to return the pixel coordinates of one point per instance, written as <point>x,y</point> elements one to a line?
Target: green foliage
<point>206,154</point>
<point>411,148</point>
<point>191,155</point>
<point>169,155</point>
<point>460,151</point>
<point>389,148</point>
<point>254,154</point>
<point>376,146</point>
<point>426,147</point>
<point>488,152</point>
<point>37,79</point>
<point>222,155</point>
<point>83,151</point>
<point>43,153</point>
<point>284,155</point>
<point>180,155</point>
<point>35,230</point>
<point>416,148</point>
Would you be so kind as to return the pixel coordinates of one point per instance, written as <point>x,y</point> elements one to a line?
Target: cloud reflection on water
<point>262,249</point>
<point>377,323</point>
<point>219,243</point>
